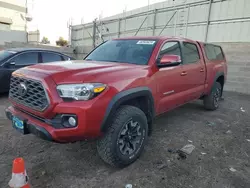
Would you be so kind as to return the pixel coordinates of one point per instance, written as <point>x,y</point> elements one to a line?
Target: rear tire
<point>211,101</point>
<point>125,138</point>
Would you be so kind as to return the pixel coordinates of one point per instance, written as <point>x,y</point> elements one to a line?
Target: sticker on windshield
<point>147,42</point>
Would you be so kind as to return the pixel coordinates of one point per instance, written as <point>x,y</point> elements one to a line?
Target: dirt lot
<point>221,139</point>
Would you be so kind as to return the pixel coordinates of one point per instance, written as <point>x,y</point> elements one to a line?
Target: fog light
<point>72,121</point>
<point>69,120</point>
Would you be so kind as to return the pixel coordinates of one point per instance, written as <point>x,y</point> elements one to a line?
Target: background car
<point>13,59</point>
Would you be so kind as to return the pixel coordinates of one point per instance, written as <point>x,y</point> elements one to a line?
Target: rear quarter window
<point>214,52</point>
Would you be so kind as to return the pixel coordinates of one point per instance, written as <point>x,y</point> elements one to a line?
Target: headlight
<point>80,91</point>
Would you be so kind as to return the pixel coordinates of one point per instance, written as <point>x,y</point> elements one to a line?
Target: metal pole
<point>167,23</point>
<point>94,32</point>
<point>26,12</point>
<point>69,35</point>
<point>100,34</point>
<point>175,24</point>
<point>154,21</point>
<point>146,17</point>
<point>208,19</point>
<point>125,19</point>
<point>187,21</point>
<point>119,28</point>
<point>141,25</point>
<point>82,22</point>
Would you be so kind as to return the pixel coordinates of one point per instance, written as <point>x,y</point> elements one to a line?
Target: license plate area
<point>20,125</point>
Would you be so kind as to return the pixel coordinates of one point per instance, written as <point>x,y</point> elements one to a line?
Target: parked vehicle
<point>116,92</point>
<point>13,59</point>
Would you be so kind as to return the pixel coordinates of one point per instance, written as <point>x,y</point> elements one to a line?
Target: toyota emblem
<point>22,89</point>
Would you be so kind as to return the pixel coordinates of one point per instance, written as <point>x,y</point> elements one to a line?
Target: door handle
<point>202,70</point>
<point>184,73</point>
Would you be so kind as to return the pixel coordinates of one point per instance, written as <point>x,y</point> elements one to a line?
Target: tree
<point>45,40</point>
<point>61,42</point>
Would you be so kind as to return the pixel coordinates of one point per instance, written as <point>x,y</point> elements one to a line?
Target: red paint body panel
<point>170,87</point>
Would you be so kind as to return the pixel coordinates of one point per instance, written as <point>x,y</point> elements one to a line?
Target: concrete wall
<point>229,21</point>
<point>9,36</point>
<point>238,57</point>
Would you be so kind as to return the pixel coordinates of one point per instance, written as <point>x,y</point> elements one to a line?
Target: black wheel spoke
<point>217,94</point>
<point>130,137</point>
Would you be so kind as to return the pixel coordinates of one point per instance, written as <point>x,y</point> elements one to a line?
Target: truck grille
<point>29,93</point>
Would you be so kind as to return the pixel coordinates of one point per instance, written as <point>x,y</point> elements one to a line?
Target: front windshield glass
<point>4,54</point>
<point>124,51</point>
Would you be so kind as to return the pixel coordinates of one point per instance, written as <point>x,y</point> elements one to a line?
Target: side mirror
<point>169,60</point>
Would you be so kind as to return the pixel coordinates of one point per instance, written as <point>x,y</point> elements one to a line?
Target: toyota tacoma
<point>114,94</point>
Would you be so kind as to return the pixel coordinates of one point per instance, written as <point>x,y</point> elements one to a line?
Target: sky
<point>50,17</point>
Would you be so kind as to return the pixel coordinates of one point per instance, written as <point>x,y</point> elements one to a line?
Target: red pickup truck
<point>115,92</point>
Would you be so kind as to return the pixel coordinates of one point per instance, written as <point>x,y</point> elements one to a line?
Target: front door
<point>18,61</point>
<point>169,80</point>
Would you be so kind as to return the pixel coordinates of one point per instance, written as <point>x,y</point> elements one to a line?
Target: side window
<point>170,48</point>
<point>190,53</point>
<point>50,57</point>
<point>66,58</point>
<point>210,52</point>
<point>218,53</point>
<point>28,58</point>
<point>214,52</point>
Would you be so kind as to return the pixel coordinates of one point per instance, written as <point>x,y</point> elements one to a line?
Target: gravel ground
<point>220,158</point>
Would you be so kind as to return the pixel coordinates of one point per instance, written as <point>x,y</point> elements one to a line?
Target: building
<point>13,21</point>
<point>34,37</point>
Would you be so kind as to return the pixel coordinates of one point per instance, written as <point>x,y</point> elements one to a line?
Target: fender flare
<point>218,74</point>
<point>124,96</point>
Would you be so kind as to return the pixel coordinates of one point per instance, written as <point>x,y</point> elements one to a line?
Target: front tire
<point>211,101</point>
<point>125,138</point>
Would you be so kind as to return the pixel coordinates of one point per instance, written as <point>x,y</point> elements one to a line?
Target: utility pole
<point>26,12</point>
<point>208,19</point>
<point>94,33</point>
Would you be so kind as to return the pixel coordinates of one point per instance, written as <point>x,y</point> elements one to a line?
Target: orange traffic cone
<point>19,176</point>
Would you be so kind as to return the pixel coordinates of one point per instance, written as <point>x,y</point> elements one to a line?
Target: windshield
<point>4,54</point>
<point>124,51</point>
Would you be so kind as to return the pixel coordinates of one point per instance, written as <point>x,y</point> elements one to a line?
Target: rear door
<point>193,71</point>
<point>51,57</point>
<point>18,61</point>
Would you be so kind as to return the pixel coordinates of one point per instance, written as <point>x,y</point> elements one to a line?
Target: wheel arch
<point>131,97</point>
<point>219,77</point>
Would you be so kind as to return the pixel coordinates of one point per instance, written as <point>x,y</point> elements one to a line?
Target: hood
<point>84,71</point>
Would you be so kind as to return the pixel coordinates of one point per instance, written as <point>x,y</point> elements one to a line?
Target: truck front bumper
<point>51,130</point>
